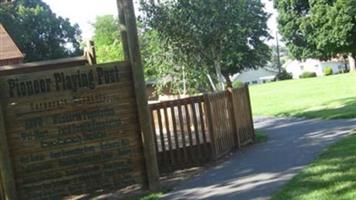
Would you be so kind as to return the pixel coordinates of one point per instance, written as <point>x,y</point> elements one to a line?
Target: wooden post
<point>123,30</point>
<point>2,196</point>
<point>91,53</point>
<point>250,109</point>
<point>133,52</point>
<point>210,126</point>
<point>237,143</point>
<point>7,175</point>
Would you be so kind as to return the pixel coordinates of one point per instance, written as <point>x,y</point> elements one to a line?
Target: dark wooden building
<point>9,52</point>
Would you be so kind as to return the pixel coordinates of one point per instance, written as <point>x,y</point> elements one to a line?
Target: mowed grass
<point>261,137</point>
<point>154,196</point>
<point>331,177</point>
<point>331,97</point>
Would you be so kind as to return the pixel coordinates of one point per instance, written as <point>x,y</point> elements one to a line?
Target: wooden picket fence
<point>196,130</point>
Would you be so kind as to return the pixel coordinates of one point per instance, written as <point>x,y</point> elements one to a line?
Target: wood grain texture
<point>80,134</point>
<point>134,56</point>
<point>6,170</point>
<point>195,130</point>
<point>2,194</point>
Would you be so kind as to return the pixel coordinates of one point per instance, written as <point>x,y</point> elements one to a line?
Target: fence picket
<point>185,153</point>
<point>161,134</point>
<point>203,130</point>
<point>155,134</point>
<point>234,105</point>
<point>249,110</point>
<point>168,134</point>
<point>187,115</point>
<point>210,125</point>
<point>194,130</point>
<point>175,133</point>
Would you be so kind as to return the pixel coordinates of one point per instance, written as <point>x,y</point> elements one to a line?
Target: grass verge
<point>330,97</point>
<point>332,176</point>
<point>261,137</point>
<point>154,196</point>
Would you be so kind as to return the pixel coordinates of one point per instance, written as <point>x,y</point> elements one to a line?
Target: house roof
<point>8,48</point>
<point>264,73</point>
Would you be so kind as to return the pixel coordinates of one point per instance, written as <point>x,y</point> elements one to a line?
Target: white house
<point>257,76</point>
<point>312,65</point>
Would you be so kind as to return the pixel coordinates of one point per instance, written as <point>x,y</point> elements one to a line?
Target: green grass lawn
<point>331,97</point>
<point>154,196</point>
<point>331,177</point>
<point>261,137</point>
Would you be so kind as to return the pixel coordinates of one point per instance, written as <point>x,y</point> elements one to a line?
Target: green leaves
<point>168,67</point>
<point>318,28</point>
<point>226,36</point>
<point>107,39</point>
<point>38,32</point>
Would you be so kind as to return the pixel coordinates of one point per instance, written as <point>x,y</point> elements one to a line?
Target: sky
<point>84,12</point>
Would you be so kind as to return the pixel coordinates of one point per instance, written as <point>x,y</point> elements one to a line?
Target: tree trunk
<point>228,81</point>
<point>211,82</point>
<point>184,82</point>
<point>346,67</point>
<point>219,75</point>
<point>352,62</point>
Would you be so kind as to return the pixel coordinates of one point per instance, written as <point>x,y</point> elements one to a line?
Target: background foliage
<point>215,35</point>
<point>107,39</point>
<point>318,28</point>
<point>39,33</point>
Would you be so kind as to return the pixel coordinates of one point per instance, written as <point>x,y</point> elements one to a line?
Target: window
<point>302,67</point>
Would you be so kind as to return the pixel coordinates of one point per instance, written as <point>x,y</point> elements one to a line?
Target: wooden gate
<point>196,130</point>
<point>221,122</point>
<point>243,115</point>
<point>181,133</point>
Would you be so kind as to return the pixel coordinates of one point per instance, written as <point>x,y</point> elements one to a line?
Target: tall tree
<point>107,39</point>
<point>222,35</point>
<point>161,65</point>
<point>39,33</point>
<point>165,67</point>
<point>319,28</point>
<point>279,56</point>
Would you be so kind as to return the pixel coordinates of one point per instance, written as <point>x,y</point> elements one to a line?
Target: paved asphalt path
<point>259,170</point>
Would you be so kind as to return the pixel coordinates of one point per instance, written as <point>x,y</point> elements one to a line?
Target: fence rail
<point>196,130</point>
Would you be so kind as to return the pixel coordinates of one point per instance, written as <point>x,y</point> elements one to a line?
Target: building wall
<point>335,66</point>
<point>297,67</point>
<point>311,65</point>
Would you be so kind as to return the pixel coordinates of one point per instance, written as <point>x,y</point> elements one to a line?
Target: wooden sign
<point>71,131</point>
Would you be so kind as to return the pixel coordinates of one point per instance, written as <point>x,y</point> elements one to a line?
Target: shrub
<point>237,84</point>
<point>344,70</point>
<point>308,75</point>
<point>328,71</point>
<point>284,75</point>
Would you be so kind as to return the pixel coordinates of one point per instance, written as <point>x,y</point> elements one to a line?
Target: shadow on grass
<point>337,109</point>
<point>332,176</point>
